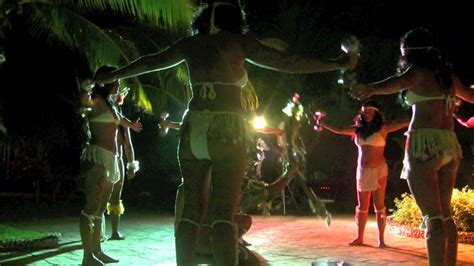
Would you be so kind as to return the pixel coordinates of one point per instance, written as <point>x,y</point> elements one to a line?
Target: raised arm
<point>167,58</point>
<point>271,130</point>
<point>350,131</point>
<point>266,57</point>
<point>395,126</point>
<point>135,125</point>
<point>389,85</point>
<point>462,91</point>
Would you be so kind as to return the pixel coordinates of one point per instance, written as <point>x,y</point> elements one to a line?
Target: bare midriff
<point>103,135</point>
<point>371,156</point>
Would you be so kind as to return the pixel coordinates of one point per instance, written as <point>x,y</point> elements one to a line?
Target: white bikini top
<point>106,117</point>
<point>375,139</point>
<point>207,88</point>
<point>412,98</point>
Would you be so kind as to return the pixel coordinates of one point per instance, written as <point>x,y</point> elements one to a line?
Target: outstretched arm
<point>391,127</point>
<point>271,130</point>
<point>169,124</point>
<point>135,125</point>
<point>350,131</point>
<point>469,123</point>
<point>167,58</point>
<point>387,86</point>
<point>270,58</point>
<point>464,92</point>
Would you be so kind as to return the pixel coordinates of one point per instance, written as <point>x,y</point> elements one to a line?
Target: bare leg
<point>227,176</point>
<point>423,181</point>
<point>447,178</point>
<point>115,207</point>
<point>196,190</point>
<point>380,212</point>
<point>97,192</point>
<point>361,216</point>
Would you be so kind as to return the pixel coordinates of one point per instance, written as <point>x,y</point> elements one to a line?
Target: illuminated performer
<point>213,130</point>
<point>100,165</point>
<point>115,206</point>
<point>369,134</point>
<point>432,151</point>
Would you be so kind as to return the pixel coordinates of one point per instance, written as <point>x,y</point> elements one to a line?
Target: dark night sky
<point>45,70</point>
<point>38,85</point>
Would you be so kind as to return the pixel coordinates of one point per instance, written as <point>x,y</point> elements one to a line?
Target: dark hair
<point>104,91</point>
<point>421,50</point>
<point>230,18</point>
<point>364,129</point>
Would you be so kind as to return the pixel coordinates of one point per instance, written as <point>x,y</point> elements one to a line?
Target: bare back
<point>216,59</point>
<point>432,113</point>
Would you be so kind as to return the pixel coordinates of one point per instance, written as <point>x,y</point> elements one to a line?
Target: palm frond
<point>60,23</point>
<point>168,14</point>
<point>249,100</point>
<point>179,102</point>
<point>140,97</point>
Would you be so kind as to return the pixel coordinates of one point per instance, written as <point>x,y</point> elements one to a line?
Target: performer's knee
<point>433,225</point>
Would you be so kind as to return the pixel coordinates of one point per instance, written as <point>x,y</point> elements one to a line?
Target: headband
<point>369,107</point>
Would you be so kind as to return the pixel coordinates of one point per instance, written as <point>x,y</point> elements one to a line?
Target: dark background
<point>39,99</point>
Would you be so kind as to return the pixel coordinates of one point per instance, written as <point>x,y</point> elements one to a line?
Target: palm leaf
<point>60,23</point>
<point>249,100</point>
<point>168,14</point>
<point>169,95</point>
<point>145,43</point>
<point>99,47</point>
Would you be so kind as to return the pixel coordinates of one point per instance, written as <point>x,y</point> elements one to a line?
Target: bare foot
<point>105,258</point>
<point>91,261</point>
<point>117,236</point>
<point>382,244</point>
<point>357,242</point>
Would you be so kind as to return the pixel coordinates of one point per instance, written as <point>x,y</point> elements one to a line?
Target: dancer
<point>432,151</point>
<point>369,134</point>
<point>115,207</point>
<point>213,131</point>
<point>100,167</point>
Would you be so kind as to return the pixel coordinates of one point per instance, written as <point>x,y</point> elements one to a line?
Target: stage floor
<point>280,240</point>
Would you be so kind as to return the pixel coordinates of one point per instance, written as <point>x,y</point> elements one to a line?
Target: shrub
<point>462,202</point>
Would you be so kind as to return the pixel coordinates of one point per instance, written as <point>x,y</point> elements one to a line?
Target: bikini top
<point>413,98</point>
<point>375,139</point>
<point>207,88</point>
<point>105,117</point>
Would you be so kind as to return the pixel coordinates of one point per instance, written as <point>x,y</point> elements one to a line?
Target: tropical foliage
<point>68,21</point>
<point>462,202</point>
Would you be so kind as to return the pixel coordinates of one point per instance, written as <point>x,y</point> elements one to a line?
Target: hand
<point>103,78</point>
<point>132,168</point>
<point>361,91</point>
<point>130,174</point>
<point>137,126</point>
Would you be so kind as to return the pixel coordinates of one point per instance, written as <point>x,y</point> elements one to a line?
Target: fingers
<point>137,125</point>
<point>359,95</point>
